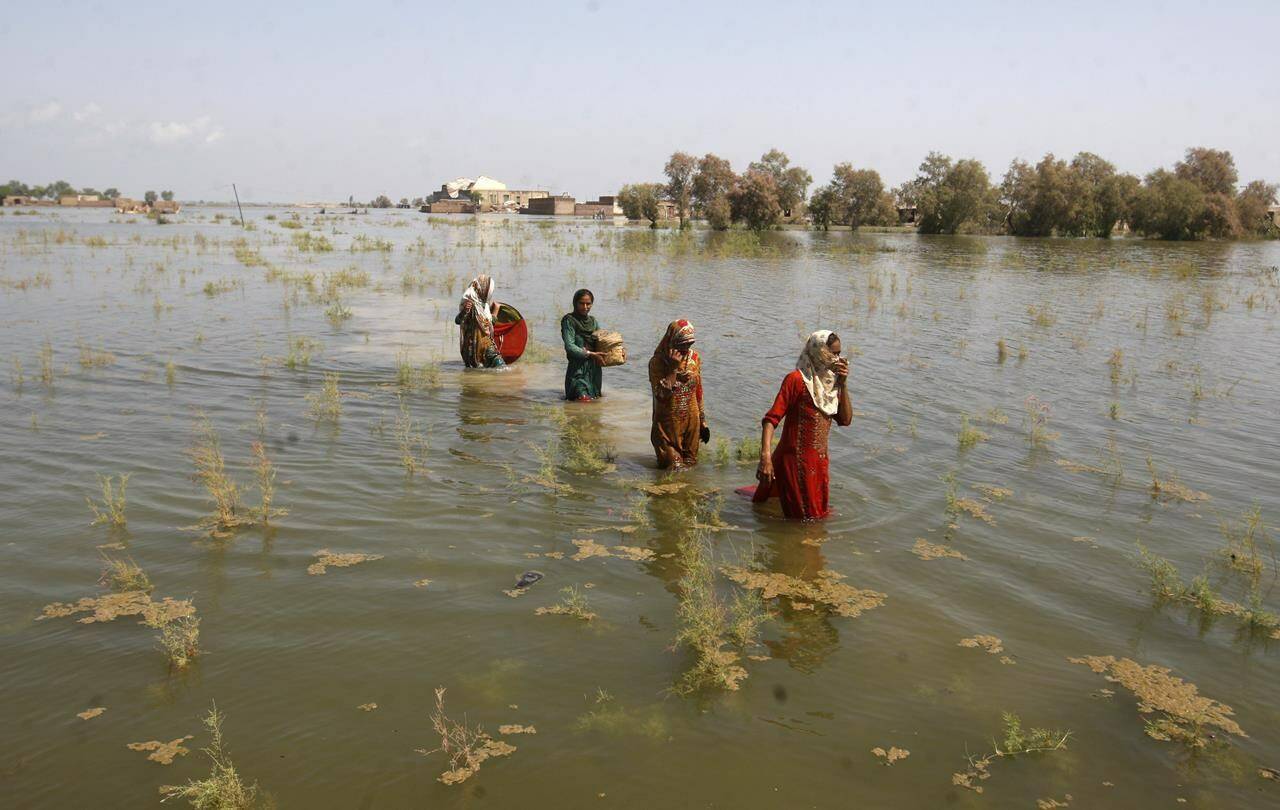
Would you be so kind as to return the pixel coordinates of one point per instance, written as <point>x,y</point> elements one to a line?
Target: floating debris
<point>555,555</point>
<point>974,509</point>
<point>589,548</point>
<point>1051,803</point>
<point>328,558</point>
<point>633,553</point>
<point>892,755</point>
<point>1078,467</point>
<point>162,752</point>
<point>663,489</point>
<point>514,729</point>
<point>528,578</point>
<point>367,707</point>
<point>110,606</point>
<point>466,748</point>
<point>515,593</point>
<point>932,551</point>
<point>421,583</point>
<point>1004,659</point>
<point>993,493</point>
<point>976,772</point>
<point>1269,773</point>
<point>1090,541</point>
<point>89,714</point>
<point>992,644</point>
<point>1184,711</point>
<point>827,589</point>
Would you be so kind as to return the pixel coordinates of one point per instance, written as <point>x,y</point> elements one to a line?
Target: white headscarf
<point>816,366</point>
<point>480,292</point>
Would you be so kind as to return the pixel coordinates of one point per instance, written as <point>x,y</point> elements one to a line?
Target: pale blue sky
<point>320,100</point>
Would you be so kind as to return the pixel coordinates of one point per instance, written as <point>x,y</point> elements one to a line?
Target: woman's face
<point>834,345</point>
<point>582,306</point>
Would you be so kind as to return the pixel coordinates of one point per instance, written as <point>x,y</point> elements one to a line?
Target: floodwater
<point>289,656</point>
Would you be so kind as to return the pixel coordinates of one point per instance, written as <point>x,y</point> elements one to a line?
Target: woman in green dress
<point>582,378</point>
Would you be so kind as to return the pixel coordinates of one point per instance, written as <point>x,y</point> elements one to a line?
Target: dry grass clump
<point>113,504</point>
<point>932,551</point>
<point>222,789</point>
<point>467,748</point>
<point>572,603</point>
<point>162,752</point>
<point>326,559</point>
<point>1184,714</point>
<point>1017,742</point>
<point>326,404</point>
<point>123,576</point>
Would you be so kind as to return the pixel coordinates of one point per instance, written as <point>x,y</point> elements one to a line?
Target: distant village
<point>484,194</point>
<point>124,205</point>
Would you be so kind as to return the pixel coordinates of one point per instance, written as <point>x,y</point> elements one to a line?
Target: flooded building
<point>605,208</point>
<point>488,194</point>
<point>561,205</point>
<point>448,206</point>
<point>85,201</point>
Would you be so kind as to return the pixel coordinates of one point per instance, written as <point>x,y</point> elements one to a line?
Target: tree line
<point>1199,198</point>
<point>61,188</point>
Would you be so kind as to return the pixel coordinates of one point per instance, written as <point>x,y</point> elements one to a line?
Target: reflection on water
<point>1051,568</point>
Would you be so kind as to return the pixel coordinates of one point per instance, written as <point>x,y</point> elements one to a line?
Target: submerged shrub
<point>222,789</point>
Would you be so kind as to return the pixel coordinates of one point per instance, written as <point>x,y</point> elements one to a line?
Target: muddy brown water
<point>289,657</point>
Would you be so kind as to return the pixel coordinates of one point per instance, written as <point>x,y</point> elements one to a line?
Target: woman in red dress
<point>810,397</point>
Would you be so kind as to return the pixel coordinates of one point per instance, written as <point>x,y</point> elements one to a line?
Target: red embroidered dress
<point>800,468</point>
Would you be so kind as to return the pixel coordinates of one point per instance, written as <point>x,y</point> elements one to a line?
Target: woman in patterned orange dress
<point>809,399</point>
<point>675,375</point>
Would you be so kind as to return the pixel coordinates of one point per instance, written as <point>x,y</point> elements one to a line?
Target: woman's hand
<point>596,357</point>
<point>764,472</point>
<point>675,356</point>
<point>841,368</point>
<point>704,433</point>
<point>467,306</point>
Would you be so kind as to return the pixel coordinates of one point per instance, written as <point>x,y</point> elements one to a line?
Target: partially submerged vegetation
<point>223,788</point>
<point>114,500</point>
<point>1016,742</point>
<point>467,748</point>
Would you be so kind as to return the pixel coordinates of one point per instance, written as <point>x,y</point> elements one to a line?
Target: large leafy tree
<point>1169,206</point>
<point>1252,204</point>
<point>1212,170</point>
<point>711,185</point>
<point>792,182</point>
<point>859,197</point>
<point>680,170</point>
<point>754,200</point>
<point>949,194</point>
<point>640,201</point>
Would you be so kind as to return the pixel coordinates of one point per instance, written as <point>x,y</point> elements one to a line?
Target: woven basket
<point>610,345</point>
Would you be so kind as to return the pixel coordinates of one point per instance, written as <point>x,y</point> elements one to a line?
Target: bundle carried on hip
<point>610,345</point>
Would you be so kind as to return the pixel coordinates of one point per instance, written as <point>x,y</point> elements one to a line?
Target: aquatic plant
<point>424,377</point>
<point>206,454</point>
<point>704,621</point>
<point>223,788</point>
<point>326,559</point>
<point>1036,421</point>
<point>747,450</point>
<point>114,500</point>
<point>266,475</point>
<point>1242,551</point>
<point>94,358</point>
<point>411,443</point>
<point>1167,585</point>
<point>1117,365</point>
<point>1042,315</point>
<point>179,639</point>
<point>1002,350</point>
<point>337,314</point>
<point>1170,489</point>
<point>467,748</point>
<point>170,373</point>
<point>300,349</point>
<point>308,242</point>
<point>46,363</point>
<point>722,451</point>
<point>326,404</point>
<point>572,603</point>
<point>969,435</point>
<point>1016,742</point>
<point>123,576</point>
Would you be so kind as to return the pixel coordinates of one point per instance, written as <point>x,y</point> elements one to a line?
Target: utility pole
<point>238,208</point>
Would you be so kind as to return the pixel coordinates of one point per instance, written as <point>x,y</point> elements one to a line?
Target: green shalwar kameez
<point>582,378</point>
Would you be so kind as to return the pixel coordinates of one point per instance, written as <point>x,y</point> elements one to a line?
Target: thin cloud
<point>86,112</point>
<point>45,112</point>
